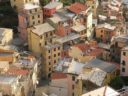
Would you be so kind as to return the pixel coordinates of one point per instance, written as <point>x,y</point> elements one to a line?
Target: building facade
<point>29,16</point>
<point>6,36</point>
<point>19,4</point>
<point>123,62</point>
<point>51,54</point>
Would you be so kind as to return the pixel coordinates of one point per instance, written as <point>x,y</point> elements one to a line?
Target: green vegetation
<point>118,82</point>
<point>44,2</point>
<point>8,17</point>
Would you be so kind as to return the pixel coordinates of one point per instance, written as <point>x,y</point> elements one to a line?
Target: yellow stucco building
<point>51,54</point>
<point>39,36</point>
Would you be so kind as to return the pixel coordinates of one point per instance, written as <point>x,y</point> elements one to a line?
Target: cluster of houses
<point>79,48</point>
<point>19,72</point>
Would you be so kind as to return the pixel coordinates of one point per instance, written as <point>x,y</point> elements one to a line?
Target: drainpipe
<point>105,90</point>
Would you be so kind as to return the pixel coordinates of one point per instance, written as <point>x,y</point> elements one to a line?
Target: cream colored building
<point>124,62</point>
<point>6,36</point>
<point>31,15</point>
<point>51,54</point>
<point>39,36</point>
<point>103,91</point>
<point>59,84</point>
<point>9,85</point>
<point>18,4</point>
<point>80,29</point>
<point>89,25</point>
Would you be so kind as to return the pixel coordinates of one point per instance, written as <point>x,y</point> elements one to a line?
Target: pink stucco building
<point>31,15</point>
<point>124,62</point>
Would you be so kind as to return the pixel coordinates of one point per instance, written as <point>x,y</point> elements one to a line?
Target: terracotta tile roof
<point>96,52</point>
<point>58,75</point>
<point>7,51</point>
<point>15,71</point>
<point>83,46</point>
<point>6,55</point>
<point>90,49</point>
<point>77,7</point>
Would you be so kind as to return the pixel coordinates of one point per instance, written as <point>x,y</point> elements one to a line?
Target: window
<point>73,78</point>
<point>35,10</point>
<point>38,21</point>
<point>58,54</point>
<point>15,7</point>
<point>49,63</point>
<point>123,69</point>
<point>30,11</point>
<point>54,61</point>
<point>58,48</point>
<point>49,75</point>
<point>45,42</point>
<point>33,17</point>
<point>49,69</point>
<point>51,33</point>
<point>73,87</point>
<point>41,37</point>
<point>72,94</point>
<point>101,36</point>
<point>46,35</point>
<point>123,62</point>
<point>101,31</point>
<point>39,44</point>
<point>54,55</point>
<point>54,49</point>
<point>38,16</point>
<point>49,57</point>
<point>124,53</point>
<point>49,51</point>
<point>116,44</point>
<point>51,40</point>
<point>33,22</point>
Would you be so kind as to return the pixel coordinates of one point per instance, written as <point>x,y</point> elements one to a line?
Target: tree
<point>44,2</point>
<point>117,83</point>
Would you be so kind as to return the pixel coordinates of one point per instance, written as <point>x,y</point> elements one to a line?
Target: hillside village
<point>64,48</point>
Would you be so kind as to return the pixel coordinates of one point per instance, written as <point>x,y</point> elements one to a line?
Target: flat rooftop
<point>78,28</point>
<point>52,5</point>
<point>30,6</point>
<point>105,66</point>
<point>71,36</point>
<point>42,28</point>
<point>55,19</point>
<point>51,46</point>
<point>107,26</point>
<point>7,79</point>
